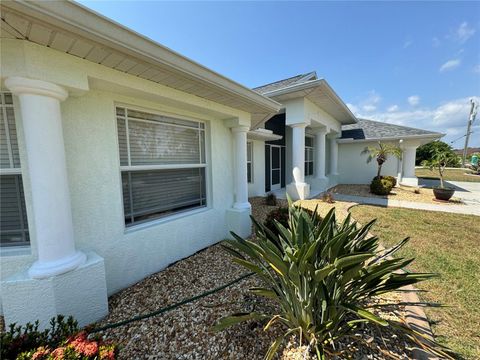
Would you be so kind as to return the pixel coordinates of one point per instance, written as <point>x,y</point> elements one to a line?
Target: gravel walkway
<point>184,333</point>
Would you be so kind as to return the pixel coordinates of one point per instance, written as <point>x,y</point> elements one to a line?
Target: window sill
<point>15,251</point>
<point>161,221</point>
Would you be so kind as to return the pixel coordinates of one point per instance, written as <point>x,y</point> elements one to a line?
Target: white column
<point>52,216</point>
<point>320,154</point>
<point>333,156</point>
<point>298,153</point>
<point>240,171</point>
<point>298,189</point>
<point>400,165</point>
<point>408,176</point>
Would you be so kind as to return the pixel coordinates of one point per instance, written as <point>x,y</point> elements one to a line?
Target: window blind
<point>173,150</point>
<point>13,214</point>
<point>249,162</point>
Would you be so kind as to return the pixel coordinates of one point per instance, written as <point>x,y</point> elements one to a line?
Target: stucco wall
<point>353,167</point>
<point>257,186</point>
<point>92,157</point>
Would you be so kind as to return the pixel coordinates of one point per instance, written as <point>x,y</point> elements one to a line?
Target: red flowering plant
<point>77,347</point>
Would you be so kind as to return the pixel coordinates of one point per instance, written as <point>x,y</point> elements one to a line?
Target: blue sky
<point>410,63</point>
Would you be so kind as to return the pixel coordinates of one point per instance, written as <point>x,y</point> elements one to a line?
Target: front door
<point>275,167</point>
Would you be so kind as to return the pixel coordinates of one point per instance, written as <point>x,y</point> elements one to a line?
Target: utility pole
<point>471,119</point>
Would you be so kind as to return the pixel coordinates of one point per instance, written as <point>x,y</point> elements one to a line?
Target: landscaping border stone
<point>415,317</point>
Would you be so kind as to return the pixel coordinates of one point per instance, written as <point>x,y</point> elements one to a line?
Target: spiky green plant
<point>321,277</point>
<point>381,154</point>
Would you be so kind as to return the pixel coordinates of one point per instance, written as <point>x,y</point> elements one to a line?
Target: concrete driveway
<point>469,192</point>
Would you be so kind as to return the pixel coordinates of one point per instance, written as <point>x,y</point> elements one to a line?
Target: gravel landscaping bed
<point>403,193</point>
<point>184,333</point>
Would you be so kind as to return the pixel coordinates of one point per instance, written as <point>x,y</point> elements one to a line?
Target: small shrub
<point>271,199</point>
<point>328,197</point>
<point>23,338</point>
<point>61,340</point>
<point>392,179</point>
<point>75,347</point>
<point>416,191</point>
<point>381,186</point>
<point>279,215</point>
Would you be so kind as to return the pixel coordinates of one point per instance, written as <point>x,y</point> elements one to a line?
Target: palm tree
<point>439,160</point>
<point>381,153</point>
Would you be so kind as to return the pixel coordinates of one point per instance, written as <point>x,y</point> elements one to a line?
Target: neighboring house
<point>321,142</point>
<point>118,157</point>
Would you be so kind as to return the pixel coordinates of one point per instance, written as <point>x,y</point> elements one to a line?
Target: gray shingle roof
<point>294,80</point>
<point>368,129</point>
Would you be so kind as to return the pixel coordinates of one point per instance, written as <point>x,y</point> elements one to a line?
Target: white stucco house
<point>319,142</point>
<point>119,156</point>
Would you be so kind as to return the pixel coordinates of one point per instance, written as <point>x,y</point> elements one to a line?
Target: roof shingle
<point>366,129</point>
<point>294,80</point>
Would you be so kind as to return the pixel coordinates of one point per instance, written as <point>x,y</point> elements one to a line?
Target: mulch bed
<point>185,333</point>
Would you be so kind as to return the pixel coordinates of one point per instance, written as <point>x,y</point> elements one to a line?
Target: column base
<point>298,191</point>
<point>319,183</point>
<point>241,206</point>
<point>409,181</point>
<point>81,293</point>
<point>239,222</point>
<point>42,270</point>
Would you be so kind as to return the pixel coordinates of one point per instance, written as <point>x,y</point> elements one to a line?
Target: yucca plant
<point>321,277</point>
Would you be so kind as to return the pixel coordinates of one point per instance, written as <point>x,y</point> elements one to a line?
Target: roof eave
<point>82,21</point>
<point>311,85</point>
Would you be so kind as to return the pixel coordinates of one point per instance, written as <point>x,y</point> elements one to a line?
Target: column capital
<point>20,85</point>
<point>333,136</point>
<point>320,131</point>
<point>298,125</point>
<point>236,129</point>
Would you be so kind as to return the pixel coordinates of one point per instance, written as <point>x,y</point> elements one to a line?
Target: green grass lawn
<point>450,174</point>
<point>443,243</point>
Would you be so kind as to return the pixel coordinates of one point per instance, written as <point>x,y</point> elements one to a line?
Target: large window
<point>13,215</point>
<point>250,161</point>
<point>162,161</point>
<point>308,155</point>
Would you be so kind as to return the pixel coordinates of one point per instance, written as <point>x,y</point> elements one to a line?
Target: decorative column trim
<point>408,165</point>
<point>240,167</point>
<point>50,200</point>
<point>298,188</point>
<point>19,85</point>
<point>334,155</point>
<point>320,153</point>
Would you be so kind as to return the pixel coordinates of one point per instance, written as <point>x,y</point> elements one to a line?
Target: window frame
<point>133,168</point>
<point>16,171</point>
<point>311,150</point>
<point>250,162</point>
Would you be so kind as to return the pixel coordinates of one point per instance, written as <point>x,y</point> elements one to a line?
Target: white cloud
<point>393,108</point>
<point>450,65</point>
<point>464,32</point>
<point>476,69</point>
<point>449,118</point>
<point>369,108</point>
<point>413,100</point>
<point>353,108</point>
<point>407,43</point>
